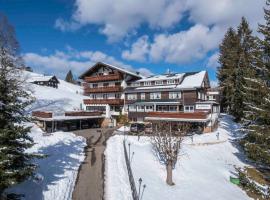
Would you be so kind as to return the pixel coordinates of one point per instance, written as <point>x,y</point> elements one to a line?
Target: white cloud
<point>78,61</point>
<point>225,12</point>
<point>138,50</point>
<point>181,47</point>
<point>119,17</point>
<point>213,61</point>
<point>185,46</point>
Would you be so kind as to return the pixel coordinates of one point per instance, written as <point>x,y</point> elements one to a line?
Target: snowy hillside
<point>64,98</point>
<point>56,174</point>
<point>203,171</point>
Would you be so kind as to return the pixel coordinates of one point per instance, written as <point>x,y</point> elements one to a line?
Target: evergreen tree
<point>15,163</point>
<point>257,140</point>
<point>245,71</point>
<point>226,73</point>
<point>69,77</point>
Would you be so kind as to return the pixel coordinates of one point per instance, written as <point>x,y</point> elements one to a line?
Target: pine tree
<point>257,140</point>
<point>15,163</point>
<point>226,73</point>
<point>69,77</point>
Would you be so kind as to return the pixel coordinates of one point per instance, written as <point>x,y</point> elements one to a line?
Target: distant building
<point>50,81</point>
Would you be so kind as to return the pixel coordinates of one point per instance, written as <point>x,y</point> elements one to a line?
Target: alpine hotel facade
<point>175,97</point>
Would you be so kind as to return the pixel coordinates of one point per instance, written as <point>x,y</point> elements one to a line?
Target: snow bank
<point>59,170</point>
<point>116,178</point>
<point>202,172</point>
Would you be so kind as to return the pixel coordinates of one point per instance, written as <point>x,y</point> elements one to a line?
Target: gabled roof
<point>41,79</point>
<point>193,80</point>
<point>111,66</point>
<point>162,77</point>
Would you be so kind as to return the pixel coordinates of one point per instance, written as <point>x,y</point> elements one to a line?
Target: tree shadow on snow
<point>52,168</point>
<point>235,134</point>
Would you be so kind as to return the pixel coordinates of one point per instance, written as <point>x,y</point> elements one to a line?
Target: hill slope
<point>64,98</point>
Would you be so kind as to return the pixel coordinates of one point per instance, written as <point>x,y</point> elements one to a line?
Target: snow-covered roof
<point>124,70</point>
<point>162,77</point>
<point>39,78</point>
<point>193,81</point>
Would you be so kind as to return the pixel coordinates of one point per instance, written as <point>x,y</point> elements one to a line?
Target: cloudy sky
<point>148,36</point>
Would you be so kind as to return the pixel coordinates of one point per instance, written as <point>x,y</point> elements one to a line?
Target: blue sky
<point>150,37</point>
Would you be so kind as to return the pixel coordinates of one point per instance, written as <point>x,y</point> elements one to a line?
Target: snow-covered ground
<point>66,97</point>
<point>202,171</point>
<point>57,172</point>
<point>65,151</point>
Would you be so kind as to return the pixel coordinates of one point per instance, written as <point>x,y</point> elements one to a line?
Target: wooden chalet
<point>50,81</point>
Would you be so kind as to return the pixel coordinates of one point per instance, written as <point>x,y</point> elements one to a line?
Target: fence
<point>130,175</point>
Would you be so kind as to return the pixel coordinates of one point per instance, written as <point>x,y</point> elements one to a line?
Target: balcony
<point>104,101</point>
<point>179,115</point>
<point>88,90</point>
<point>99,78</point>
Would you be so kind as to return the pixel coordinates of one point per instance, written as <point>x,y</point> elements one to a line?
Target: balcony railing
<point>117,88</point>
<point>191,115</point>
<point>104,101</point>
<point>98,78</point>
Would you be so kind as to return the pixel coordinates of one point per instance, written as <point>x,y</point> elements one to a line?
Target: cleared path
<point>89,184</point>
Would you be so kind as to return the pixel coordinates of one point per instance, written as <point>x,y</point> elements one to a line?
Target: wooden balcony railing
<point>104,101</point>
<point>191,115</point>
<point>88,90</point>
<point>42,114</point>
<point>109,77</point>
<point>82,113</point>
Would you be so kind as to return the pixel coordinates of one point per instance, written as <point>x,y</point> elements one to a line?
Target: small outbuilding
<point>50,81</point>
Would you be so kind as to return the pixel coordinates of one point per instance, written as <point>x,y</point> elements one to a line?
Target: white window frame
<point>171,81</point>
<point>155,95</point>
<point>132,96</point>
<point>159,82</point>
<point>147,83</point>
<point>173,95</point>
<point>188,108</point>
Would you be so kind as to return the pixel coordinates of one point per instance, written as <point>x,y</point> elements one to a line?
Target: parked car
<point>137,127</point>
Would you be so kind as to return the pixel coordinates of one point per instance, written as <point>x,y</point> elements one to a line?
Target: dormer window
<point>159,82</point>
<point>147,83</point>
<point>171,81</point>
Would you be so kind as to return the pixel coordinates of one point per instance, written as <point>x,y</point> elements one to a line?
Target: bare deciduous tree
<point>166,140</point>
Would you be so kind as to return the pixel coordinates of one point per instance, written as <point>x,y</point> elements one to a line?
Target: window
<point>132,96</point>
<point>173,108</point>
<point>117,95</point>
<point>105,84</point>
<point>159,82</point>
<point>105,96</point>
<point>156,95</point>
<point>175,95</point>
<point>171,81</point>
<point>140,108</point>
<point>117,83</point>
<point>147,83</point>
<point>131,108</point>
<point>95,85</point>
<point>189,109</point>
<point>94,96</point>
<point>142,96</point>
